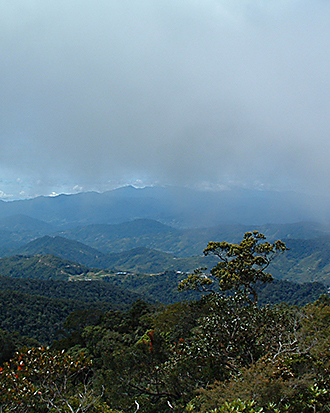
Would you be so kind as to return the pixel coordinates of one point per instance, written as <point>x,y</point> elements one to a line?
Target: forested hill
<point>64,248</point>
<point>305,261</point>
<point>38,317</point>
<point>41,267</point>
<point>39,308</point>
<point>164,288</point>
<point>149,246</point>
<point>140,259</point>
<point>113,297</point>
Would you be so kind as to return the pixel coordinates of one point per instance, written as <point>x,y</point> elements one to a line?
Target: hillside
<point>305,261</point>
<point>127,235</point>
<point>65,249</point>
<point>24,224</point>
<point>148,261</point>
<point>163,287</point>
<point>41,267</point>
<point>84,291</point>
<point>147,246</point>
<point>17,230</point>
<point>181,242</point>
<point>40,317</point>
<point>38,309</point>
<point>141,259</point>
<point>18,273</point>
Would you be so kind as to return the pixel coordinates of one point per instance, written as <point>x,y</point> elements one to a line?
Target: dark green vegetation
<point>163,288</point>
<point>41,267</point>
<point>84,291</point>
<point>219,353</point>
<point>203,356</point>
<point>38,309</point>
<point>97,285</point>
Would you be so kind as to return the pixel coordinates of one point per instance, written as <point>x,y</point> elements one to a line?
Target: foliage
<point>241,265</point>
<point>163,288</point>
<point>292,372</point>
<point>39,317</point>
<point>282,291</point>
<point>111,297</point>
<point>220,353</point>
<point>38,309</point>
<point>237,356</point>
<point>38,380</point>
<point>40,267</point>
<point>10,343</point>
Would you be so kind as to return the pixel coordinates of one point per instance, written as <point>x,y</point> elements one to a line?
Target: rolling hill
<point>306,261</point>
<point>148,246</point>
<point>41,267</point>
<point>142,260</point>
<point>65,249</point>
<point>181,242</point>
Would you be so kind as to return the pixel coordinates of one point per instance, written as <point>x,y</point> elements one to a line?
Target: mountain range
<point>307,260</point>
<point>118,230</point>
<point>175,206</point>
<point>90,253</point>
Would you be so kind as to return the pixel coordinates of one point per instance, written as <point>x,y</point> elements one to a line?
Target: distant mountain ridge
<point>16,231</point>
<point>182,242</point>
<point>175,206</point>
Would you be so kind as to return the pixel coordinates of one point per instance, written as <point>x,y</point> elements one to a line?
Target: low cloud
<point>176,92</point>
<point>3,195</point>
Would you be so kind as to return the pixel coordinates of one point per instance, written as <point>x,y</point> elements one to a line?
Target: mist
<point>213,94</point>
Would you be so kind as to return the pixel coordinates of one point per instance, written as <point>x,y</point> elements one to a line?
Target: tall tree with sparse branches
<point>240,266</point>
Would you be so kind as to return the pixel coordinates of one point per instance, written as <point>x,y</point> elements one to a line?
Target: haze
<point>214,94</point>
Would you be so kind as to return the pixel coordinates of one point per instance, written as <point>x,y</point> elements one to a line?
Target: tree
<point>240,266</point>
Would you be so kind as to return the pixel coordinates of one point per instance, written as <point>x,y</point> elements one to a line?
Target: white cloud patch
<point>77,188</point>
<point>3,195</point>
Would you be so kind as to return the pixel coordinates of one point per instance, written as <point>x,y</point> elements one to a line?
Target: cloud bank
<point>212,92</point>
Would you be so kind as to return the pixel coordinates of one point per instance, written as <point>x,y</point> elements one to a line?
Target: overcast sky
<point>213,93</point>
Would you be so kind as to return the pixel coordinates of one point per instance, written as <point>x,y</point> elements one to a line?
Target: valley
<point>107,292</point>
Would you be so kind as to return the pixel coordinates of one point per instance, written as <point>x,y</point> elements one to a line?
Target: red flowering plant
<point>38,379</point>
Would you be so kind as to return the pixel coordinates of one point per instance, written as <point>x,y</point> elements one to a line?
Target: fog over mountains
<point>178,207</point>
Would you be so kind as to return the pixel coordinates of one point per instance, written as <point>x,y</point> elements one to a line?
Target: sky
<point>208,93</point>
